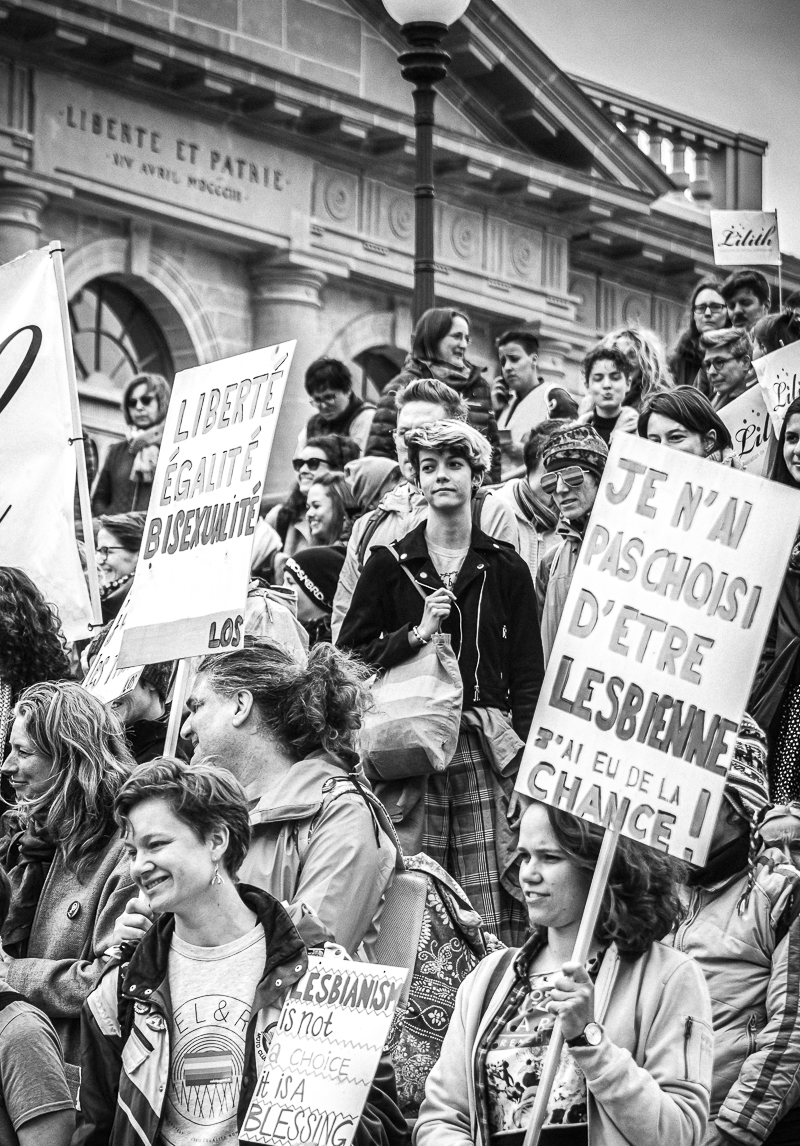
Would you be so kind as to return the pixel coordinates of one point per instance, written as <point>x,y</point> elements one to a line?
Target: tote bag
<point>412,727</point>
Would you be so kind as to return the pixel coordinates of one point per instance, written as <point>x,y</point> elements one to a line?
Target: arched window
<point>114,336</point>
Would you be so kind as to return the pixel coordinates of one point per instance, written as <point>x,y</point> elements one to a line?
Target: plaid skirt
<point>461,835</point>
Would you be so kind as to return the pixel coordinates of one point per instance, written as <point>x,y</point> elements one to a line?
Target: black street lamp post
<point>424,24</point>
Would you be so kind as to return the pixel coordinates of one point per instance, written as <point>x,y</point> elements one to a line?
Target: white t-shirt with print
<point>212,990</point>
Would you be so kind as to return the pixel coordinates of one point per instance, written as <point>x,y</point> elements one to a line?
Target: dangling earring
<point>216,879</point>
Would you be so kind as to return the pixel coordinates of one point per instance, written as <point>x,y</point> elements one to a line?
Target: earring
<point>215,879</point>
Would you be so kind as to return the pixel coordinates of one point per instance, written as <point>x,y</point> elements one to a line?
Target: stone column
<point>555,365</point>
<point>20,220</point>
<point>286,302</point>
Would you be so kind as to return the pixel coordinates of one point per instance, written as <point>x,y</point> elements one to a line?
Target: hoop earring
<point>216,879</point>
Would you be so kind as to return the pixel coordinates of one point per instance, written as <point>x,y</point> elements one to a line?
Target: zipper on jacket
<point>694,911</point>
<point>687,1034</point>
<point>752,1026</point>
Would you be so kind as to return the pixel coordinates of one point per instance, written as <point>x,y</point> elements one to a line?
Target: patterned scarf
<point>144,444</point>
<point>543,516</point>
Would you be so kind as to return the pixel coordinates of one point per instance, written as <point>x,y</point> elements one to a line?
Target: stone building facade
<point>225,174</point>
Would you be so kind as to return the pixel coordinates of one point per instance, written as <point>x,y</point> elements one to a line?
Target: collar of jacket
<point>301,791</point>
<point>413,549</point>
<point>287,959</point>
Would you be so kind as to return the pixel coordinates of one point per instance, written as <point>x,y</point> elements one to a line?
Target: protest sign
<point>105,679</point>
<point>39,426</point>
<point>779,376</point>
<point>748,421</point>
<point>663,625</point>
<point>745,238</point>
<point>324,1053</point>
<point>190,588</point>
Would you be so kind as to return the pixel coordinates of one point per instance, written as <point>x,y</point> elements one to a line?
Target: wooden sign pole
<point>580,954</point>
<point>176,709</point>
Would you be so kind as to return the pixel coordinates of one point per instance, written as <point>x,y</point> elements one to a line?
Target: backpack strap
<point>481,494</point>
<point>407,572</point>
<point>375,519</point>
<point>498,971</point>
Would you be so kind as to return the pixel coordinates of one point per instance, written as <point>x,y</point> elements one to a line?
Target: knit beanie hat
<point>575,446</point>
<point>159,676</point>
<point>316,571</point>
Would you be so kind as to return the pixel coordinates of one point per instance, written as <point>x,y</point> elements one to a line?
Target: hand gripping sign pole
<point>56,253</point>
<point>580,954</point>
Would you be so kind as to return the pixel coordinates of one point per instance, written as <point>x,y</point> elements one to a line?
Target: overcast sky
<point>735,63</point>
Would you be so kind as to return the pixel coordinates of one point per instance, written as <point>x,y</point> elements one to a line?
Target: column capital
<point>21,209</point>
<point>278,280</point>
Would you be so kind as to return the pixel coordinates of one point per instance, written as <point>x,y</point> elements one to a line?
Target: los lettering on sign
<point>317,1071</point>
<point>779,376</point>
<point>669,605</point>
<point>750,426</point>
<point>37,461</point>
<point>745,238</point>
<point>105,679</point>
<point>190,587</point>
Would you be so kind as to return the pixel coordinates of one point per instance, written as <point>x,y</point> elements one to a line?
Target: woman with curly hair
<point>636,1066</point>
<point>647,357</point>
<point>321,845</point>
<point>63,852</point>
<point>32,646</point>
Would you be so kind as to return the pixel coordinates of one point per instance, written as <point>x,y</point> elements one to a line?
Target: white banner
<point>190,588</point>
<point>662,629</point>
<point>105,679</point>
<point>37,460</point>
<point>745,238</point>
<point>324,1053</point>
<point>779,376</point>
<point>748,421</point>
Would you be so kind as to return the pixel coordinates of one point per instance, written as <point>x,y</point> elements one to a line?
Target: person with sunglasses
<point>574,459</point>
<point>707,311</point>
<point>117,545</point>
<point>125,480</point>
<point>338,410</point>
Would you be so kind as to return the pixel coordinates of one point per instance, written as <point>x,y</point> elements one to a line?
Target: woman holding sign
<point>177,1034</point>
<point>637,1063</point>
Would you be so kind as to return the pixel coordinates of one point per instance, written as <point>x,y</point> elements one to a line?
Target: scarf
<point>543,516</point>
<point>144,444</point>
<point>108,590</point>
<point>32,851</point>
<point>728,860</point>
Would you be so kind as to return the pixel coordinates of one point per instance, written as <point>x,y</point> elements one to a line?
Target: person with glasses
<point>448,576</point>
<point>439,348</point>
<point>125,480</point>
<point>707,311</point>
<point>318,456</point>
<point>338,410</point>
<point>574,460</point>
<point>117,545</point>
<point>727,360</point>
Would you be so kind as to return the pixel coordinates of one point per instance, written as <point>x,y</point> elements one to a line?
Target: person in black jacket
<point>480,592</point>
<point>438,350</point>
<point>125,481</point>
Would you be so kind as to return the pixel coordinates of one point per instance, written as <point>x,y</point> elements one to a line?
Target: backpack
<point>378,516</point>
<point>428,925</point>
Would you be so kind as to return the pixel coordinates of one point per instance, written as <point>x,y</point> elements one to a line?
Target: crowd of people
<point>146,899</point>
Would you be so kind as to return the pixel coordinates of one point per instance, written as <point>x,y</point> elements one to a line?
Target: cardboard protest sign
<point>324,1054</point>
<point>190,588</point>
<point>748,421</point>
<point>745,238</point>
<point>105,679</point>
<point>663,625</point>
<point>37,461</point>
<point>779,376</point>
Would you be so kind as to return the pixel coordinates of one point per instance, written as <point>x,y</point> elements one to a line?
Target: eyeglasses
<point>711,308</point>
<point>147,400</point>
<point>719,363</point>
<point>104,550</point>
<point>572,476</point>
<point>324,398</point>
<point>312,464</point>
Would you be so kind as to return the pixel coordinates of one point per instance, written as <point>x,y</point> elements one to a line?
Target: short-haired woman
<point>125,480</point>
<point>637,1063</point>
<point>119,539</point>
<point>175,1038</point>
<point>728,363</point>
<point>448,574</point>
<point>684,419</point>
<point>63,853</point>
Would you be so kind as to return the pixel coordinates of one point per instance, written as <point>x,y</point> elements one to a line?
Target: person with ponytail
<point>63,852</point>
<point>742,927</point>
<point>322,843</point>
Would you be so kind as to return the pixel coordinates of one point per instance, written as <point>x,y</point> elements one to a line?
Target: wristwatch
<point>590,1036</point>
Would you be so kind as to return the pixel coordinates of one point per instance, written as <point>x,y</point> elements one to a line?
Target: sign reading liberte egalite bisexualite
<point>654,657</point>
<point>190,587</point>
